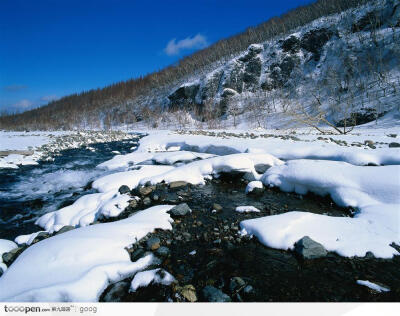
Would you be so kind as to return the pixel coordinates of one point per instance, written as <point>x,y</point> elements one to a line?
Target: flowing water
<point>30,191</point>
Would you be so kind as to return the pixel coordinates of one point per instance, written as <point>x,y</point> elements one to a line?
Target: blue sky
<point>52,48</point>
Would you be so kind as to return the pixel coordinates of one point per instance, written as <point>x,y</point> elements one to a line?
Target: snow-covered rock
<point>156,276</point>
<point>95,257</point>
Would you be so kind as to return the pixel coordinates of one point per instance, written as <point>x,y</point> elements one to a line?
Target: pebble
<point>153,243</point>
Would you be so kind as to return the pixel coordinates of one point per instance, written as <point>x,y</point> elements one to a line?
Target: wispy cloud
<point>15,88</point>
<point>23,104</point>
<point>175,47</point>
<point>49,98</point>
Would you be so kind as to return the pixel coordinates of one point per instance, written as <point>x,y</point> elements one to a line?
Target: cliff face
<point>352,54</point>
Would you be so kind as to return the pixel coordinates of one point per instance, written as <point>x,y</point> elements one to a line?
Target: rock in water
<point>212,294</point>
<point>124,189</point>
<point>180,210</point>
<point>309,249</point>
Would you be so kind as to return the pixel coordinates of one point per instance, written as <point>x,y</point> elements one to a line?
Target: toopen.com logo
<point>21,309</point>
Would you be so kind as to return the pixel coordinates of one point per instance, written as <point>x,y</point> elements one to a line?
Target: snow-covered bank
<point>373,191</point>
<point>79,264</point>
<point>304,144</point>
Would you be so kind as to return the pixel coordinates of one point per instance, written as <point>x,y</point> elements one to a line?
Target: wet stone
<point>212,294</point>
<point>146,201</point>
<point>180,210</point>
<point>123,189</point>
<point>186,293</point>
<point>65,229</point>
<point>146,190</point>
<point>117,291</point>
<point>9,257</point>
<point>178,184</point>
<point>163,252</point>
<point>153,243</point>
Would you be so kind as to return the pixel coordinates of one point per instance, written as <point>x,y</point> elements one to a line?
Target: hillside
<point>329,63</point>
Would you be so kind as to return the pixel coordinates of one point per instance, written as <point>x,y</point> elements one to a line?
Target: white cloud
<point>23,104</point>
<point>48,98</point>
<point>175,47</point>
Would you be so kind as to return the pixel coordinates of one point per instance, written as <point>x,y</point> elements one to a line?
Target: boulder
<point>394,145</point>
<point>180,210</point>
<point>309,249</point>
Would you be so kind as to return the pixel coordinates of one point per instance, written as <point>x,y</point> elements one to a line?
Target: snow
<point>14,160</point>
<point>156,276</point>
<point>193,252</point>
<point>27,239</point>
<point>5,246</point>
<point>373,286</point>
<point>197,172</point>
<point>95,257</point>
<point>130,178</point>
<point>374,191</point>
<point>164,158</point>
<point>247,209</point>
<point>252,185</point>
<point>307,147</point>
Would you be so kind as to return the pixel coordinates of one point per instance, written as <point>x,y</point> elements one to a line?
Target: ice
<point>5,246</point>
<point>156,276</point>
<point>247,209</point>
<point>373,286</point>
<point>95,257</point>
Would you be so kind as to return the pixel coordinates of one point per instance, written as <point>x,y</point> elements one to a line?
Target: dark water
<point>30,191</point>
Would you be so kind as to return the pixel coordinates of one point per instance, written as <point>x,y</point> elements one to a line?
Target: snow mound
<point>40,273</point>
<point>164,158</point>
<point>196,172</point>
<point>130,178</point>
<point>374,191</point>
<point>156,276</point>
